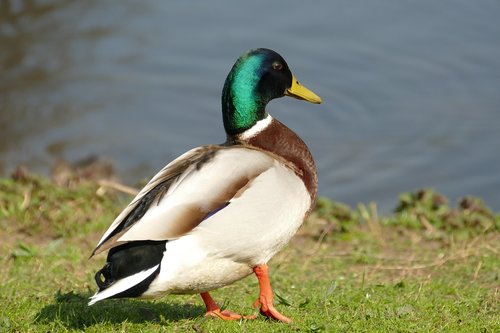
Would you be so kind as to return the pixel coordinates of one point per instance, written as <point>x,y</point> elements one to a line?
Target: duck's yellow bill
<point>300,92</point>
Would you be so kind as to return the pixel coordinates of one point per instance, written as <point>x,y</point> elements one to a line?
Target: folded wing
<point>185,192</point>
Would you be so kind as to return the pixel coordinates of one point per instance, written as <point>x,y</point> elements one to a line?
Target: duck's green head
<point>256,78</point>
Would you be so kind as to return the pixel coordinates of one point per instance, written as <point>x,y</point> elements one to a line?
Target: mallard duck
<point>218,213</point>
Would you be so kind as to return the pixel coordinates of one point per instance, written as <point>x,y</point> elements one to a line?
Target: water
<point>410,89</point>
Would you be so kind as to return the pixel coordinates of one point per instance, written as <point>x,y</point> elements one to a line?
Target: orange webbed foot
<point>270,311</point>
<point>265,300</point>
<point>214,311</point>
<point>227,315</point>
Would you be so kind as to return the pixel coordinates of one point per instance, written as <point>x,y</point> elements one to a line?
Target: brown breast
<point>282,141</point>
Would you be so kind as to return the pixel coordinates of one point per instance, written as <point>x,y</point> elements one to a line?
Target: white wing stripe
<point>122,285</point>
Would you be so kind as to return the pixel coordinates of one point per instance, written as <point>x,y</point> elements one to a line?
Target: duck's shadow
<point>72,311</point>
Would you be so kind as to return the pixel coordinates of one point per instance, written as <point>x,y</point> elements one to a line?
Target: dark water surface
<point>411,89</point>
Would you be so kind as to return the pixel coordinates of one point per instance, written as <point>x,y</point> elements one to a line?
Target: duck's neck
<point>260,126</point>
<point>240,113</point>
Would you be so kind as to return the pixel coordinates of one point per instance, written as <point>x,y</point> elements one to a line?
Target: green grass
<point>429,267</point>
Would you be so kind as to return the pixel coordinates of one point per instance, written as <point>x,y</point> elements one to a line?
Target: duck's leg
<point>265,299</point>
<point>214,311</point>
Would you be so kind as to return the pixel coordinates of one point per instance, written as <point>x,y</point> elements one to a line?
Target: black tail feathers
<point>128,259</point>
<point>103,277</point>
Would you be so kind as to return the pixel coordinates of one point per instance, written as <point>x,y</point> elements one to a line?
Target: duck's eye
<point>277,66</point>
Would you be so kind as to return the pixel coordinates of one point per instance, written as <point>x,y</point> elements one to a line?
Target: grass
<point>429,267</point>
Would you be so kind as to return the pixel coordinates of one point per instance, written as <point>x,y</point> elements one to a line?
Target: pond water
<point>410,88</point>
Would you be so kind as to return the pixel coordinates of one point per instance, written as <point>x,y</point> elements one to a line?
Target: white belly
<point>249,231</point>
<point>187,268</point>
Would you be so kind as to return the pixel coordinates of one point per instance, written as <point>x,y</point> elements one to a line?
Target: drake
<point>218,213</point>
